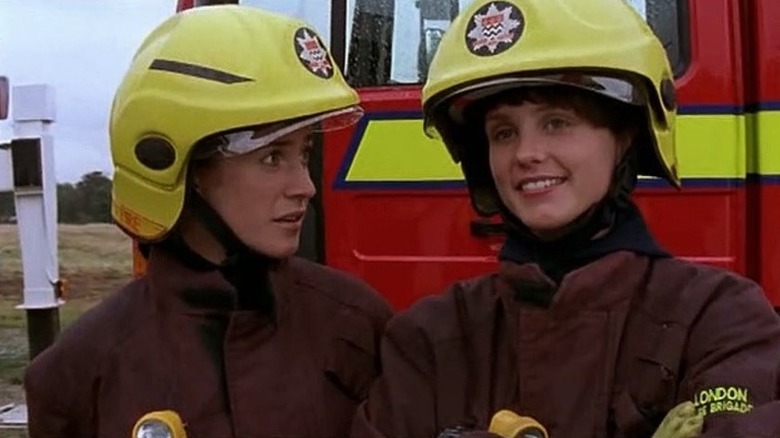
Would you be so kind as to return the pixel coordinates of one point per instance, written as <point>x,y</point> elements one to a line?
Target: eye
<point>272,158</point>
<point>556,123</point>
<point>306,154</point>
<point>501,133</point>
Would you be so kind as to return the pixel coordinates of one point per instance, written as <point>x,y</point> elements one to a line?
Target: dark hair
<point>600,111</point>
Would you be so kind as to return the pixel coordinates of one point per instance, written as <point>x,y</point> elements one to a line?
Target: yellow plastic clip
<point>507,424</point>
<point>159,424</point>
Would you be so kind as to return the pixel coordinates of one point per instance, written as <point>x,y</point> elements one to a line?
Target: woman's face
<point>549,163</point>
<point>263,195</point>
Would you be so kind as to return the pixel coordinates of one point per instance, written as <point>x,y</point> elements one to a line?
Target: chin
<point>277,250</point>
<point>271,242</point>
<point>546,223</point>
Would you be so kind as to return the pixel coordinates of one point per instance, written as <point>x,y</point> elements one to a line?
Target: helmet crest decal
<point>494,28</point>
<point>312,53</point>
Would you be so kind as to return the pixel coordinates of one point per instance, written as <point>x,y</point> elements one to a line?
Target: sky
<point>83,48</point>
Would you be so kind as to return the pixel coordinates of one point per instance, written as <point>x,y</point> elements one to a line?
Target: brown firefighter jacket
<point>168,341</point>
<point>625,339</point>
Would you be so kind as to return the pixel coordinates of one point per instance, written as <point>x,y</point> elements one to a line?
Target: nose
<point>530,148</point>
<point>300,184</point>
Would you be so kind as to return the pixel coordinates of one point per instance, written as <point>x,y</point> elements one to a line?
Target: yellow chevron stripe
<point>397,150</point>
<point>764,129</point>
<point>708,146</point>
<point>711,146</point>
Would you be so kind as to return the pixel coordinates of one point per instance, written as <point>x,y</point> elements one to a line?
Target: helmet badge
<point>494,28</point>
<point>312,53</point>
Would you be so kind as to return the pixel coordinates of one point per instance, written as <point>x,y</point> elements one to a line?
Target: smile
<point>541,184</point>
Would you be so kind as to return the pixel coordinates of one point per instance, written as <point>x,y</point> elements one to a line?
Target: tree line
<point>86,201</point>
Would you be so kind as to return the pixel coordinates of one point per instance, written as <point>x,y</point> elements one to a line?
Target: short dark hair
<point>601,111</point>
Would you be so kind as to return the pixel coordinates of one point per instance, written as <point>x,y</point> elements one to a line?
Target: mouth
<point>538,184</point>
<point>291,218</point>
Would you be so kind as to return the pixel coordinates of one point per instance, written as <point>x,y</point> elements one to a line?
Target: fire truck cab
<point>393,209</point>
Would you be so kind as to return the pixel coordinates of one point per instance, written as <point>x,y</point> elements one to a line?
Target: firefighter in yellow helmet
<point>211,131</point>
<point>553,108</point>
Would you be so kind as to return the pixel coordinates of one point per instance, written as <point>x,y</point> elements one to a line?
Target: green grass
<point>95,259</point>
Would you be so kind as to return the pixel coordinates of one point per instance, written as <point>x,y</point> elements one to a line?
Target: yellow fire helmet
<point>599,45</point>
<point>206,71</point>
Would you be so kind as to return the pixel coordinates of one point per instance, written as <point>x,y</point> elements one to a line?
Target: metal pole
<point>43,327</point>
<point>35,200</point>
<point>338,31</point>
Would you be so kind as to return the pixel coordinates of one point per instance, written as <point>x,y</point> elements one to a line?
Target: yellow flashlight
<point>159,424</point>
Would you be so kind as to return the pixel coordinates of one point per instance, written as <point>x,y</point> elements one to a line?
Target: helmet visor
<point>614,88</point>
<point>245,141</point>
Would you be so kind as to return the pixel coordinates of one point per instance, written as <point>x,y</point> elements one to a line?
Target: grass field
<point>95,259</point>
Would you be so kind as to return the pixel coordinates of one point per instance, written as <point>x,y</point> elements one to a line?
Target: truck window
<point>392,41</point>
<point>315,12</point>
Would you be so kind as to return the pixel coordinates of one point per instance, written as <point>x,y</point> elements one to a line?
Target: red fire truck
<point>393,208</point>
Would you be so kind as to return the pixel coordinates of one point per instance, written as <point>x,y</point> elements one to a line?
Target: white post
<point>6,174</point>
<point>35,190</point>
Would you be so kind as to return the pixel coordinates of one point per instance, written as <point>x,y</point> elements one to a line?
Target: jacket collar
<point>176,286</point>
<point>597,285</point>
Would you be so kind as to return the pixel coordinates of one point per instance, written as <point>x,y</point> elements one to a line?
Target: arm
<point>57,401</point>
<point>733,357</point>
<point>401,403</point>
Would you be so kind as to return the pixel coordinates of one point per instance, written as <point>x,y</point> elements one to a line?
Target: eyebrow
<point>496,116</point>
<point>281,142</point>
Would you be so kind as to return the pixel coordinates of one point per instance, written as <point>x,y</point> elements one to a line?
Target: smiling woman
<point>553,109</point>
<point>548,197</point>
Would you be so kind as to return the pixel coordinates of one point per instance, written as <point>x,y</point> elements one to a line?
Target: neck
<point>591,224</point>
<point>583,224</point>
<point>200,240</point>
<point>612,229</point>
<point>247,271</point>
